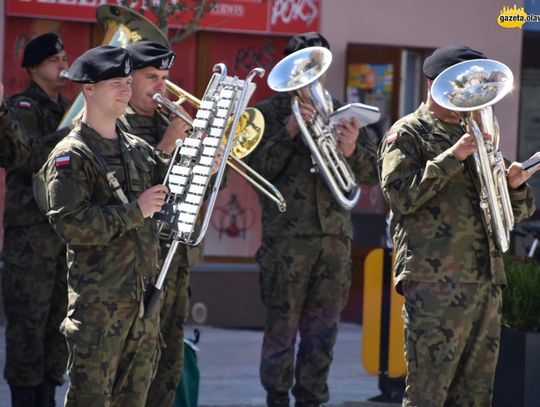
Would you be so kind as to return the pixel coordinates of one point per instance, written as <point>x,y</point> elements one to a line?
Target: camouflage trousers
<point>112,354</point>
<point>304,286</point>
<point>35,301</point>
<point>452,334</point>
<point>173,315</point>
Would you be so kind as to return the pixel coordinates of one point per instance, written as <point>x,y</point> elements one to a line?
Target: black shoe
<point>23,396</point>
<point>272,401</point>
<point>306,404</point>
<point>45,393</point>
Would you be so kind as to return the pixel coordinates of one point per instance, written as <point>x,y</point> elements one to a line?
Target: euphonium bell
<point>471,88</point>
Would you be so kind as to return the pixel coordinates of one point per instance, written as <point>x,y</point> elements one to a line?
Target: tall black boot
<point>23,396</point>
<point>45,393</point>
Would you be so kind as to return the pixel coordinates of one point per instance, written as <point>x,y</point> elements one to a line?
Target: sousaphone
<point>122,27</point>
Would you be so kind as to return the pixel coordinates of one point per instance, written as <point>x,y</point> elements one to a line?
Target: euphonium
<point>300,72</point>
<point>122,27</point>
<point>471,88</point>
<point>247,136</point>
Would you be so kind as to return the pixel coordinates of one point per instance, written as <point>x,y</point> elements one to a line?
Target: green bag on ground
<point>187,392</point>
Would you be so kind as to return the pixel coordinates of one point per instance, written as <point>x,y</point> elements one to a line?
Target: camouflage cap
<point>101,63</point>
<point>40,48</point>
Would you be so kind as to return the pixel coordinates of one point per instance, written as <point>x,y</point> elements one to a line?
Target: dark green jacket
<point>14,148</point>
<point>286,163</point>
<point>438,228</point>
<point>104,263</point>
<point>38,117</point>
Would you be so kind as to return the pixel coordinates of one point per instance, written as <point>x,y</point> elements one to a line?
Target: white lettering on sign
<point>291,10</point>
<point>224,9</point>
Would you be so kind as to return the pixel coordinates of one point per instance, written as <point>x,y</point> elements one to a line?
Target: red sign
<point>263,16</point>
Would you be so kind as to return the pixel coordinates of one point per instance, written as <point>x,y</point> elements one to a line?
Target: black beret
<point>101,63</point>
<point>443,58</point>
<point>147,53</point>
<point>41,48</point>
<point>305,40</point>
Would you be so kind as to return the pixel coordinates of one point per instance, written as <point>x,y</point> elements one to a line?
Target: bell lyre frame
<point>189,173</point>
<point>471,88</point>
<point>246,138</point>
<point>122,27</point>
<point>300,72</point>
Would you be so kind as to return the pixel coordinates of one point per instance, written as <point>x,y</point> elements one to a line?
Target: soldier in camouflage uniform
<point>151,64</point>
<point>14,147</point>
<point>111,239</point>
<point>34,275</point>
<point>304,257</point>
<point>447,265</point>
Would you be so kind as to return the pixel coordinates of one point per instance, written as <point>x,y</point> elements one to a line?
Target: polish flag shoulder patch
<point>62,161</point>
<point>25,104</point>
<point>393,136</point>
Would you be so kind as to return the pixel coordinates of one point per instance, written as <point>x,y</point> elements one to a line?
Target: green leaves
<point>521,299</point>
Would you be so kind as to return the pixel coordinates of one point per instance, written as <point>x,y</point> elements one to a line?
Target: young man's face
<point>111,96</point>
<point>146,83</point>
<point>48,71</point>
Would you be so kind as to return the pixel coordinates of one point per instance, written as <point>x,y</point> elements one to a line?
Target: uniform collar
<point>434,126</point>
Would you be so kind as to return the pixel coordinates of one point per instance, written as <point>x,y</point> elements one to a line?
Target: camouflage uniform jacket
<point>104,263</point>
<point>38,117</point>
<point>286,163</point>
<point>14,148</point>
<point>438,228</point>
<point>151,129</point>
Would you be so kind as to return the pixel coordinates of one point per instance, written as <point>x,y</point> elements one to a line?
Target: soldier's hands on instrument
<point>517,175</point>
<point>152,200</point>
<point>217,161</point>
<point>347,133</point>
<point>466,145</point>
<point>177,129</point>
<point>308,113</point>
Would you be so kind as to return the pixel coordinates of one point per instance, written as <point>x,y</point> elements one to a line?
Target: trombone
<point>245,139</point>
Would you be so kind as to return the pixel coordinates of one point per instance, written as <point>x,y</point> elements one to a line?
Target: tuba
<point>122,27</point>
<point>300,72</point>
<point>246,137</point>
<point>471,88</point>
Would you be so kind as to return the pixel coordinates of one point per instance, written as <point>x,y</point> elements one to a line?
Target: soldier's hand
<point>177,129</point>
<point>346,134</point>
<point>466,145</point>
<point>516,175</point>
<point>217,162</point>
<point>152,200</point>
<point>308,113</point>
